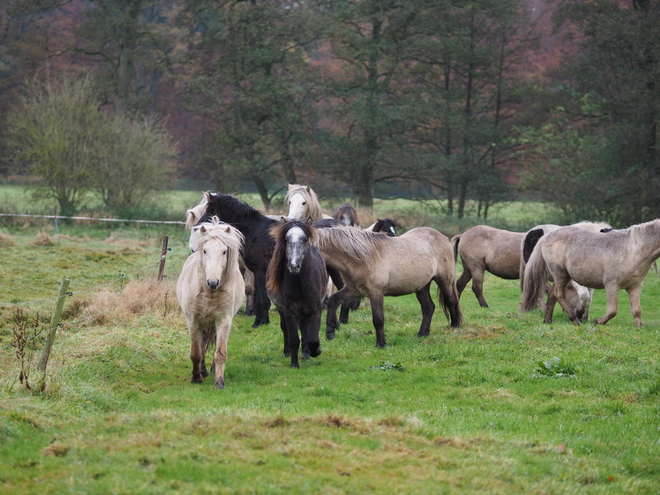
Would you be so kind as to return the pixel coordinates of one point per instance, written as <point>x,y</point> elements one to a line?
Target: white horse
<point>303,203</point>
<point>210,292</point>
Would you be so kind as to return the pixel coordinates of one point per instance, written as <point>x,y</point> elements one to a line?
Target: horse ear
<point>282,219</point>
<point>310,221</point>
<point>309,189</point>
<point>202,229</point>
<point>228,229</point>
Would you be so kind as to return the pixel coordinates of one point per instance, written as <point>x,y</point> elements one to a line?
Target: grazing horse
<point>210,292</point>
<point>483,248</point>
<point>578,296</point>
<point>615,260</point>
<point>258,247</point>
<point>347,215</point>
<point>303,203</point>
<point>374,265</point>
<point>296,281</point>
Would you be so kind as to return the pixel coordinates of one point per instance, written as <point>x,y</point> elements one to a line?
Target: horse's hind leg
<point>338,298</point>
<point>463,280</point>
<point>261,301</point>
<point>478,286</point>
<point>428,308</point>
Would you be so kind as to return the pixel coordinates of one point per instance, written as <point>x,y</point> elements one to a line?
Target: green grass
<point>457,412</point>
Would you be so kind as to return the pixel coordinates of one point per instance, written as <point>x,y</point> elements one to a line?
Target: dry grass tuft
<point>135,244</point>
<point>6,240</point>
<point>138,298</point>
<point>56,449</point>
<point>42,239</point>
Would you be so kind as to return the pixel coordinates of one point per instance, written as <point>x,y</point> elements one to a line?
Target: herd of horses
<point>290,261</point>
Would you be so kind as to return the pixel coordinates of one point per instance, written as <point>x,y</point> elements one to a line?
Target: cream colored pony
<point>210,292</point>
<point>303,203</point>
<point>614,260</point>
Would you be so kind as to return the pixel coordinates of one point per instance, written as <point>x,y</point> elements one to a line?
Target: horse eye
<point>204,251</point>
<point>304,203</point>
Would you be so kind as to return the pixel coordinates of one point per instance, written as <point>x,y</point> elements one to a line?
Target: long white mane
<point>215,229</point>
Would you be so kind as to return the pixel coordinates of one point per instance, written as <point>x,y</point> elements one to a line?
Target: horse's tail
<point>449,301</point>
<point>536,276</point>
<point>529,242</point>
<point>454,245</point>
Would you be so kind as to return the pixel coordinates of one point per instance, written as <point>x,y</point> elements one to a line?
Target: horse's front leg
<point>196,355</point>
<point>612,296</point>
<point>285,333</point>
<point>378,318</point>
<point>293,341</point>
<point>634,295</point>
<point>428,308</point>
<point>222,329</point>
<point>338,298</point>
<point>309,330</point>
<point>261,301</point>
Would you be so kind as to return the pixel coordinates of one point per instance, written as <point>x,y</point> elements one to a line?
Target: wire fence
<point>125,220</point>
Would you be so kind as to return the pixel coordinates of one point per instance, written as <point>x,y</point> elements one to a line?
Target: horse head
<point>218,245</point>
<point>293,238</point>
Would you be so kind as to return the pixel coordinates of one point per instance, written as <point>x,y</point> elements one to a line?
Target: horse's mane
<point>231,236</point>
<point>358,245</point>
<point>592,226</point>
<point>280,229</point>
<point>231,206</point>
<point>311,200</point>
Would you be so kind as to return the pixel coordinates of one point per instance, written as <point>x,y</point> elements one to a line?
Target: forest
<point>470,102</point>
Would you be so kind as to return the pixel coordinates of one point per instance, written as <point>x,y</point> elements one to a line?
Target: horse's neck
<point>645,241</point>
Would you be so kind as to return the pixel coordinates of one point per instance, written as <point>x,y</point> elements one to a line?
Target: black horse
<point>258,246</point>
<point>296,281</point>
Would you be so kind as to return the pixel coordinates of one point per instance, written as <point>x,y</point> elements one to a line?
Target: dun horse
<point>578,296</point>
<point>296,281</point>
<point>210,292</point>
<point>614,260</point>
<point>483,248</point>
<point>374,265</point>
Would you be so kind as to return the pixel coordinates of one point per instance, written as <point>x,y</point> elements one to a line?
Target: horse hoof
<point>316,353</point>
<point>220,383</point>
<point>294,366</point>
<point>306,355</point>
<point>330,334</point>
<point>196,379</point>
<point>380,344</point>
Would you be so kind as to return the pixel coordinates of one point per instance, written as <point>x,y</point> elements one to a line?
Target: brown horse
<point>347,215</point>
<point>374,265</point>
<point>483,248</point>
<point>614,260</point>
<point>296,281</point>
<point>210,292</point>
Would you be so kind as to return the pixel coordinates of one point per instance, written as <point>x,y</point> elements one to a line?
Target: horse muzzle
<point>294,269</point>
<point>213,284</point>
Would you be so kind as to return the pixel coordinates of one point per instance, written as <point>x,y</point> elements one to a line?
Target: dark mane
<point>232,208</point>
<point>277,265</point>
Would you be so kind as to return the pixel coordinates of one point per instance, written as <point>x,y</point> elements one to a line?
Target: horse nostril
<point>213,284</point>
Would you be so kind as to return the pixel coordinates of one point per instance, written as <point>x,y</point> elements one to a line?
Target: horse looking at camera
<point>257,248</point>
<point>614,260</point>
<point>296,281</point>
<point>303,203</point>
<point>347,215</point>
<point>210,292</point>
<point>374,265</point>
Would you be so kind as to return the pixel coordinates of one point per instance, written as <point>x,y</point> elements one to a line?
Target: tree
<point>52,133</point>
<point>611,104</point>
<point>60,133</point>
<point>252,84</point>
<point>136,157</point>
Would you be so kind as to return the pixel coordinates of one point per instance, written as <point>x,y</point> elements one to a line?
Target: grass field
<point>467,411</point>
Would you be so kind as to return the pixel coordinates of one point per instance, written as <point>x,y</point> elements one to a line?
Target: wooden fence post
<point>54,323</point>
<point>163,254</point>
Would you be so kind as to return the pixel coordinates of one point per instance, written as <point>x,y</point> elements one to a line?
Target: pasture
<point>483,409</point>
